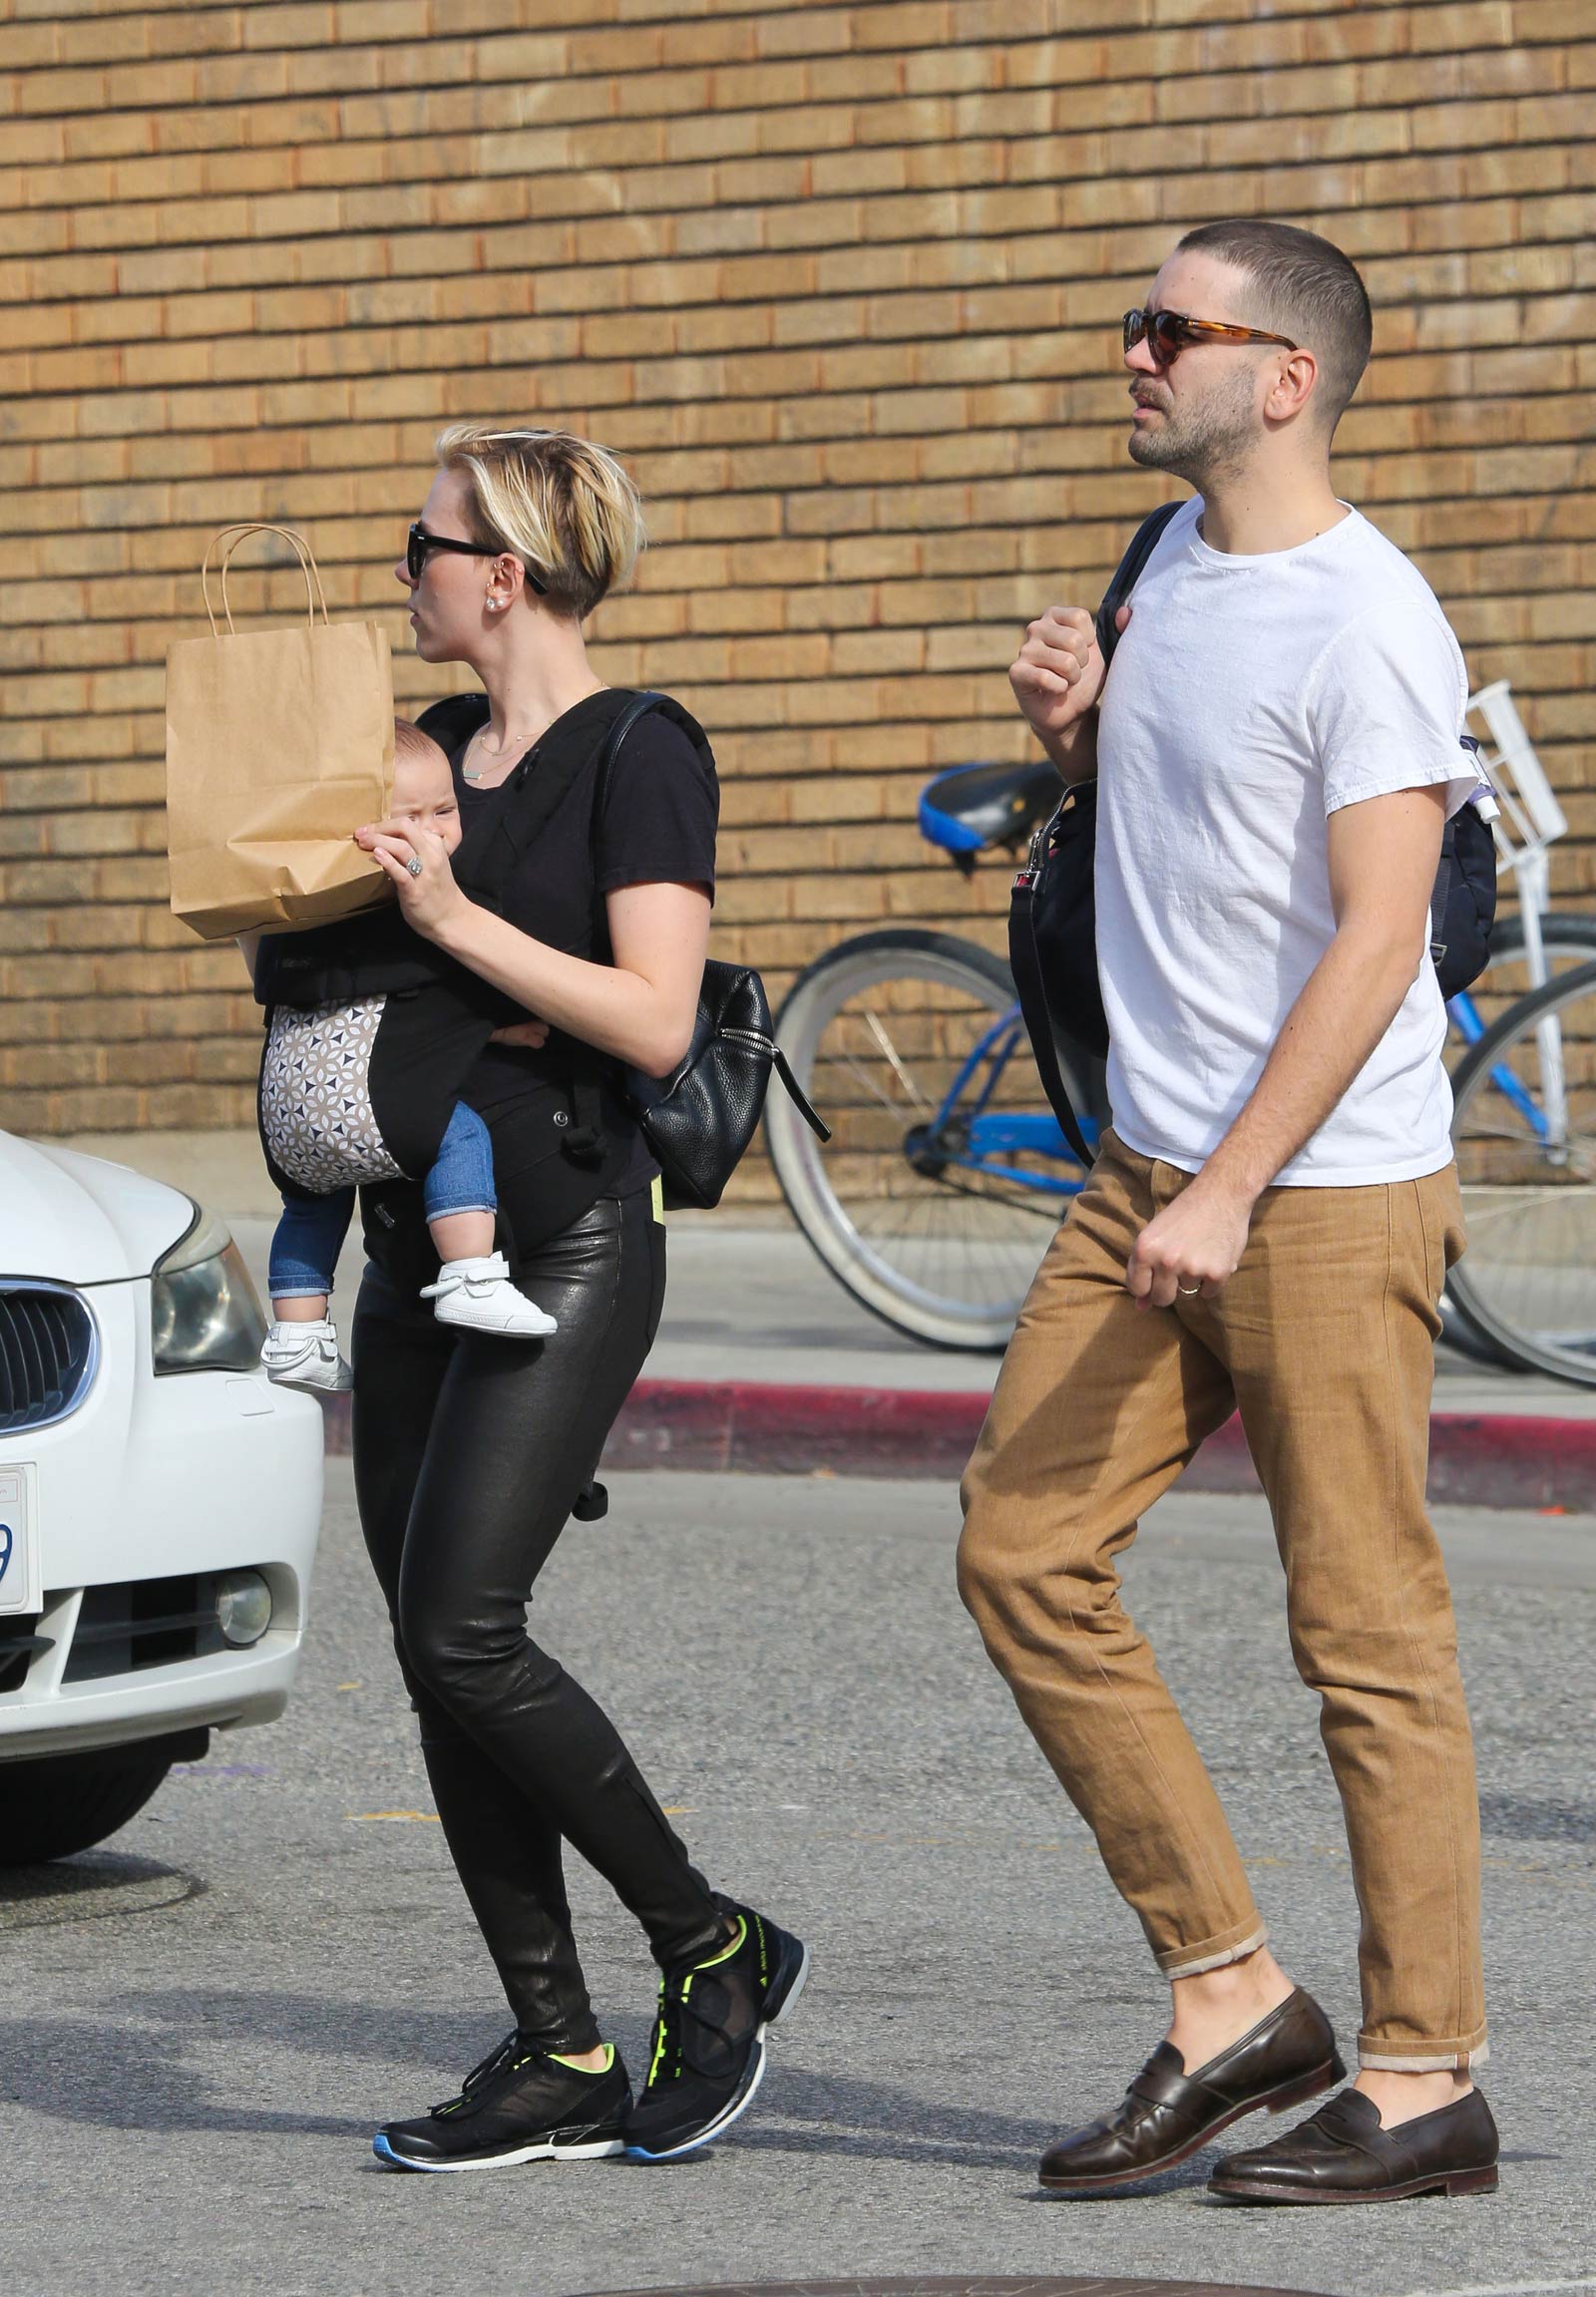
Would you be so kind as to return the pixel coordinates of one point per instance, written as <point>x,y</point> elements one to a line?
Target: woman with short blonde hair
<point>567,506</point>
<point>471,1454</point>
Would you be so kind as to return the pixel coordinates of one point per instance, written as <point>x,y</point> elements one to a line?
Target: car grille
<point>47,1355</point>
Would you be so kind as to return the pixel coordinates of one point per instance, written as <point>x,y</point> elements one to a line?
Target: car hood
<point>78,1219</point>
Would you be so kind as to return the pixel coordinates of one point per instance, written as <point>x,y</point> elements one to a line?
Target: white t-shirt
<point>1248,699</point>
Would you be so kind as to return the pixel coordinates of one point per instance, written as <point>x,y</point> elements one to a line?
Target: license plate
<point>19,1551</point>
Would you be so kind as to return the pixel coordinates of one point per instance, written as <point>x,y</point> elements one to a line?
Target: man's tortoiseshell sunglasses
<point>1166,333</point>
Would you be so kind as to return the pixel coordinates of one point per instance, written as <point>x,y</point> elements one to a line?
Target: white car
<point>160,1500</point>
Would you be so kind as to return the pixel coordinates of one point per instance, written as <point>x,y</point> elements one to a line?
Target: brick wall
<point>841,282</point>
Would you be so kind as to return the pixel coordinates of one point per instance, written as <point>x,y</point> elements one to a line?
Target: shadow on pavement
<point>90,1888</point>
<point>138,2075</point>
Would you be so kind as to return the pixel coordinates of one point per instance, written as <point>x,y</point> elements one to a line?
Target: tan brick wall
<point>840,281</point>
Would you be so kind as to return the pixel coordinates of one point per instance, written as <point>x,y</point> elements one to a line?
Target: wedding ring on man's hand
<point>414,865</point>
<point>1188,1290</point>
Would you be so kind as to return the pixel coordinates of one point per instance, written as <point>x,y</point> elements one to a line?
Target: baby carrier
<point>371,1032</point>
<point>370,1037</point>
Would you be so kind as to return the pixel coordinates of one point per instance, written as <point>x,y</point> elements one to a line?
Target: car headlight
<point>204,1316</point>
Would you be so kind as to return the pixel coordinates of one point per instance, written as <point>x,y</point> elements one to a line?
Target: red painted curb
<point>767,1428</point>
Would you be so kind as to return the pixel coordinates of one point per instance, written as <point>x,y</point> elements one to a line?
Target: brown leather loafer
<point>1342,2153</point>
<point>1288,2058</point>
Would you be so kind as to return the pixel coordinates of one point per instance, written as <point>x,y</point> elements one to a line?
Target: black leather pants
<point>469,1451</point>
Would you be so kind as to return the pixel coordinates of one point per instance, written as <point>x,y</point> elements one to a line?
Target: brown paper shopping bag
<point>279,744</point>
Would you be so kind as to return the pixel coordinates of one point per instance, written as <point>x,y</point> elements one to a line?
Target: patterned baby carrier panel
<point>316,1116</point>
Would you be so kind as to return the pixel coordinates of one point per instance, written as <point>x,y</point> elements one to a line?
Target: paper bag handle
<point>307,566</point>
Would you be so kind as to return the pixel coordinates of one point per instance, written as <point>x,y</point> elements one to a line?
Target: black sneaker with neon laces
<point>519,2105</point>
<point>708,2052</point>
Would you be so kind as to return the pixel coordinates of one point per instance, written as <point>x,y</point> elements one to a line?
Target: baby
<point>351,1083</point>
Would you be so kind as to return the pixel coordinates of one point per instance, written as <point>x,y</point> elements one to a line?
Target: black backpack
<point>1053,912</point>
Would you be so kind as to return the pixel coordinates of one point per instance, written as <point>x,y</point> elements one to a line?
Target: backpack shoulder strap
<point>587,1137</point>
<point>641,705</point>
<point>1126,574</point>
<point>1025,963</point>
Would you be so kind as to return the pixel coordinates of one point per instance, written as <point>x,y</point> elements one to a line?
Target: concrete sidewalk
<point>763,1363</point>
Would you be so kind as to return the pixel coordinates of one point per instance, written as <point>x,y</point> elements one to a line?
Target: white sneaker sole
<point>545,2149</point>
<point>737,2107</point>
<point>315,1380</point>
<point>517,1327</point>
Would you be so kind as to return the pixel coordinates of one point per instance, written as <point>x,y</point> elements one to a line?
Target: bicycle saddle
<point>970,807</point>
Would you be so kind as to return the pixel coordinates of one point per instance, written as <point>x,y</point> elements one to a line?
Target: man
<point>1268,1227</point>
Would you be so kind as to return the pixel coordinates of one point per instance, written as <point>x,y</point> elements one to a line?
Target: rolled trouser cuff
<point>1211,1953</point>
<point>1378,2054</point>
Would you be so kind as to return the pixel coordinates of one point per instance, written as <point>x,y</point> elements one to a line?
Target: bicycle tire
<point>1568,938</point>
<point>945,1260</point>
<point>1529,1282</point>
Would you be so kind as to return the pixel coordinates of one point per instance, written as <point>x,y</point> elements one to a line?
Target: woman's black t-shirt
<point>656,826</point>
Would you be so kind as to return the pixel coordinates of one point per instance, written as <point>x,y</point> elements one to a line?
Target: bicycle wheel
<point>1524,1128</point>
<point>945,1176</point>
<point>1568,939</point>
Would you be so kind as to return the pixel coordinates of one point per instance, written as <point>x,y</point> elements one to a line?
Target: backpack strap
<point>1024,962</point>
<point>1126,574</point>
<point>641,705</point>
<point>587,1140</point>
<point>1026,966</point>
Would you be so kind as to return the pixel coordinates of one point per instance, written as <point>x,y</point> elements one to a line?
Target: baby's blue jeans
<point>311,1234</point>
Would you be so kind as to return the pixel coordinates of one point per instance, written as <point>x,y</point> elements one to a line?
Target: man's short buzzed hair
<point>1303,287</point>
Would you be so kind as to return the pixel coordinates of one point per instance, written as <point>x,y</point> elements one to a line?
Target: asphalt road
<point>201,2023</point>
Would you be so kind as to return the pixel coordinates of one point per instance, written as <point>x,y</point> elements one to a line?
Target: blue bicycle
<point>946,1174</point>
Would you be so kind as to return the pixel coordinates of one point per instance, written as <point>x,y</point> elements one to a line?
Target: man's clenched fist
<point>1059,673</point>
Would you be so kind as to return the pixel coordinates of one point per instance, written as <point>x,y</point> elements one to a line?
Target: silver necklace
<point>475,773</point>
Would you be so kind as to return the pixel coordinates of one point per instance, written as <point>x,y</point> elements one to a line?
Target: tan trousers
<point>1323,1338</point>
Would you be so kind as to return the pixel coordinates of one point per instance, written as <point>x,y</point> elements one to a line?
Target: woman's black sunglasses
<point>418,542</point>
<point>1166,333</point>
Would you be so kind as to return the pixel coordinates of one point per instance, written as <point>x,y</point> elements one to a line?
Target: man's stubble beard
<point>1208,440</point>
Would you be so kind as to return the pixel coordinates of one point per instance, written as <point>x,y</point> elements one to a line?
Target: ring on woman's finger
<point>414,865</point>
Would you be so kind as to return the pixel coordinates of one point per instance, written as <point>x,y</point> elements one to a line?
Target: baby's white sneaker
<point>307,1355</point>
<point>479,1295</point>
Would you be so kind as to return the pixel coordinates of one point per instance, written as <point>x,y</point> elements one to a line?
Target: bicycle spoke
<point>897,1070</point>
<point>870,1085</point>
